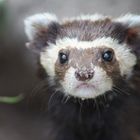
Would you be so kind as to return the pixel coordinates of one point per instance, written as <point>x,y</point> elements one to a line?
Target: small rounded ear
<point>132,22</point>
<point>38,23</point>
<point>133,39</point>
<point>41,29</point>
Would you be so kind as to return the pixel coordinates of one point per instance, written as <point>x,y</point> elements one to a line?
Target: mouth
<point>85,90</point>
<point>85,86</point>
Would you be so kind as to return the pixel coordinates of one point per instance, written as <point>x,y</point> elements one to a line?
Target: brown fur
<point>90,30</point>
<point>84,58</point>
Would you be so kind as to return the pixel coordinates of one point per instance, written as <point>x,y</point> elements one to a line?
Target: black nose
<point>83,75</point>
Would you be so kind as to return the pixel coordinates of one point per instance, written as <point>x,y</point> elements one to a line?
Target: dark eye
<point>107,56</point>
<point>63,58</point>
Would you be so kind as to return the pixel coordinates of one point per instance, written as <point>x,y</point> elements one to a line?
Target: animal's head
<point>88,54</point>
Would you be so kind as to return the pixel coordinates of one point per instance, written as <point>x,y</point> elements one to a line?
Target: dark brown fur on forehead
<point>87,30</point>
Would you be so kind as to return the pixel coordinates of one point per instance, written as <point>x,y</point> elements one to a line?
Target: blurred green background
<point>17,65</point>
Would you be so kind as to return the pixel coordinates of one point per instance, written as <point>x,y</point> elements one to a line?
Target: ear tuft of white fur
<point>131,20</point>
<point>94,17</point>
<point>35,22</point>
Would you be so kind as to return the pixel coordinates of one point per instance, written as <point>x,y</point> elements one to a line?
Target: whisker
<point>121,91</point>
<point>66,100</point>
<point>80,109</point>
<point>40,85</point>
<point>97,107</point>
<point>50,105</point>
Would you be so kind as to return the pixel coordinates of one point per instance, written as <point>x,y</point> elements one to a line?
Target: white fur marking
<point>48,59</point>
<point>101,83</point>
<point>94,17</point>
<point>129,19</point>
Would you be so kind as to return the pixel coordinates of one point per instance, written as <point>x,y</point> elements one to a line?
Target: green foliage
<point>11,100</point>
<point>2,15</point>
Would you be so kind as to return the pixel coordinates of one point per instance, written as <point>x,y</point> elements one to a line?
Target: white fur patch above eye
<point>94,17</point>
<point>129,19</point>
<point>34,23</point>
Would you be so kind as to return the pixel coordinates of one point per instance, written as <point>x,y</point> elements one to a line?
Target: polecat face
<point>86,55</point>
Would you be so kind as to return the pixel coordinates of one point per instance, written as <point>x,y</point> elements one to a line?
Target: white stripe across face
<point>123,54</point>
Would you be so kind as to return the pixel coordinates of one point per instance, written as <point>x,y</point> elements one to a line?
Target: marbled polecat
<point>92,75</point>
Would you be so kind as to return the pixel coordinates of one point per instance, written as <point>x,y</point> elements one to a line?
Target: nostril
<point>90,75</point>
<point>77,74</point>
